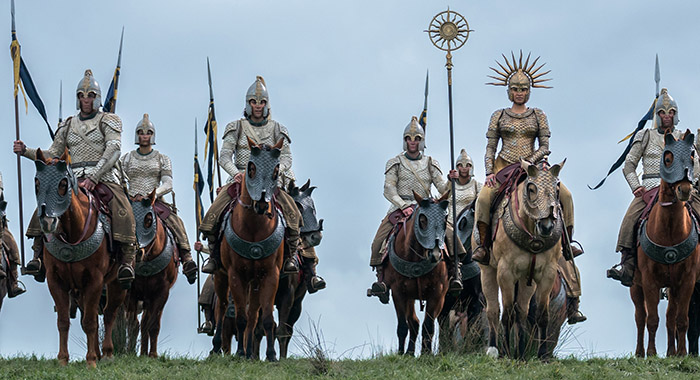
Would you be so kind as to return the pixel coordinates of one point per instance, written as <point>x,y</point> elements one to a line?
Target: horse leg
<point>544,288</point>
<point>432,308</point>
<point>145,323</point>
<point>253,316</point>
<point>62,301</point>
<point>651,300</point>
<point>223,329</point>
<point>671,321</point>
<point>155,316</point>
<point>132,322</point>
<point>284,302</point>
<point>267,296</point>
<point>693,321</point>
<point>506,282</point>
<point>402,321</point>
<point>640,317</point>
<point>681,317</point>
<point>490,288</point>
<point>522,310</point>
<point>239,292</point>
<point>91,297</point>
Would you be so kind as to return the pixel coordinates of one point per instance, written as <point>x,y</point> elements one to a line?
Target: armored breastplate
<point>86,145</point>
<point>408,182</point>
<point>464,195</point>
<point>143,171</point>
<point>260,134</point>
<point>651,158</point>
<point>518,133</point>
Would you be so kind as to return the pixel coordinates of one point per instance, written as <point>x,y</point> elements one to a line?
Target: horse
<point>252,253</point>
<point>526,247</point>
<point>155,274</point>
<point>76,254</point>
<point>4,258</point>
<point>694,321</point>
<point>668,254</point>
<point>416,270</point>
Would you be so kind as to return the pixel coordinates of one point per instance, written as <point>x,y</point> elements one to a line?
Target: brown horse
<point>155,274</point>
<point>668,254</point>
<point>416,270</point>
<point>75,254</point>
<point>526,248</point>
<point>252,253</point>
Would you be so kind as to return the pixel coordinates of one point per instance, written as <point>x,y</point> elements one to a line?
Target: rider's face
<point>464,171</point>
<point>86,102</point>
<point>412,144</point>
<point>666,118</point>
<point>519,94</point>
<point>258,108</point>
<point>145,138</point>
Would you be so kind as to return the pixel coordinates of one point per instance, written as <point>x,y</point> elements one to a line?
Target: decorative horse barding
<point>76,255</point>
<point>416,270</point>
<point>526,248</point>
<point>252,253</point>
<point>155,274</point>
<point>668,254</point>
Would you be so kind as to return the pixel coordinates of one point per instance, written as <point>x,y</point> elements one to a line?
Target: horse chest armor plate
<point>158,264</point>
<point>68,253</point>
<point>668,255</point>
<point>523,240</point>
<point>254,250</point>
<point>410,269</point>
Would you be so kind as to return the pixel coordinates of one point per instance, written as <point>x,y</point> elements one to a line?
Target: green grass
<point>389,367</point>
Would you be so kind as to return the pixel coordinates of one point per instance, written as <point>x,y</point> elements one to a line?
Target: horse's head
<point>677,164</point>
<point>145,217</point>
<point>54,186</point>
<point>430,221</point>
<point>311,232</point>
<point>262,173</point>
<point>540,195</point>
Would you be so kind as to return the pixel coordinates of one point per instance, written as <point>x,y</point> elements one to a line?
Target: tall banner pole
<point>449,31</point>
<point>16,57</point>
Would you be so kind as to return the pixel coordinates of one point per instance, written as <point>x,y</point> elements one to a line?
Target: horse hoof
<point>272,359</point>
<point>63,362</point>
<point>107,359</point>
<point>91,364</point>
<point>492,352</point>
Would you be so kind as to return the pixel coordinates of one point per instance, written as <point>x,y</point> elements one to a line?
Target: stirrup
<point>291,265</point>
<point>33,267</point>
<point>189,269</point>
<point>617,273</point>
<point>455,286</point>
<point>315,284</point>
<point>379,289</point>
<point>576,317</point>
<point>125,276</point>
<point>16,290</point>
<point>206,328</point>
<point>210,266</point>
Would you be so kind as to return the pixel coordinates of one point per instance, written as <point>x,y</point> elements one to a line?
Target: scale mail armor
<point>147,172</point>
<point>93,144</point>
<point>518,133</point>
<point>464,195</point>
<point>402,176</point>
<point>235,152</point>
<point>648,146</point>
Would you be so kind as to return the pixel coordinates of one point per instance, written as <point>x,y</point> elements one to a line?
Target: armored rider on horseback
<point>408,172</point>
<point>9,245</point>
<point>647,146</point>
<point>147,169</point>
<point>235,152</point>
<point>517,128</point>
<point>93,141</point>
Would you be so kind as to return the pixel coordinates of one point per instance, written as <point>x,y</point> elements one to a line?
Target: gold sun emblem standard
<point>448,30</point>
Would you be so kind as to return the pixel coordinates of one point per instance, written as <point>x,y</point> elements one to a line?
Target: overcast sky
<point>345,78</point>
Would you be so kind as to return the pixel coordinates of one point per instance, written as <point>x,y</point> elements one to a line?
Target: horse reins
<point>91,203</point>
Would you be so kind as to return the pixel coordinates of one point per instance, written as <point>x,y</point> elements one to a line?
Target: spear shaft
<point>19,164</point>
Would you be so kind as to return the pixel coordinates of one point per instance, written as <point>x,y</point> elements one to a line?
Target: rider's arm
<point>633,157</point>
<point>166,176</point>
<point>543,135</point>
<point>492,137</point>
<point>57,147</point>
<point>391,179</point>
<point>439,180</point>
<point>228,148</point>
<point>286,155</point>
<point>111,126</point>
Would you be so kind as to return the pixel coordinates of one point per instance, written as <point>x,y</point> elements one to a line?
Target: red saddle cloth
<point>162,210</point>
<point>649,199</point>
<point>509,178</point>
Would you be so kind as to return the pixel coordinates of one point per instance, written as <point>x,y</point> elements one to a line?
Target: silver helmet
<point>464,159</point>
<point>87,85</point>
<point>145,125</point>
<point>665,103</point>
<point>257,91</point>
<point>413,130</point>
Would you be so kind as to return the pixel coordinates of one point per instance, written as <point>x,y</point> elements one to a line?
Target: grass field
<point>386,367</point>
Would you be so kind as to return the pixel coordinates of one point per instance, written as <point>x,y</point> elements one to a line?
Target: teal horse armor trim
<point>157,265</point>
<point>69,253</point>
<point>254,250</point>
<point>410,269</point>
<point>668,255</point>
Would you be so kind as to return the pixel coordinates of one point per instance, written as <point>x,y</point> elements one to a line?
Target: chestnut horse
<point>668,254</point>
<point>416,270</point>
<point>526,248</point>
<point>155,274</point>
<point>252,253</point>
<point>76,255</point>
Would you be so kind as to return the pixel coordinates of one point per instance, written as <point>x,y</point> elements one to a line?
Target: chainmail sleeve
<point>440,182</point>
<point>391,179</point>
<point>228,148</point>
<point>166,176</point>
<point>492,137</point>
<point>543,136</point>
<point>286,155</point>
<point>57,147</point>
<point>632,160</point>
<point>111,127</point>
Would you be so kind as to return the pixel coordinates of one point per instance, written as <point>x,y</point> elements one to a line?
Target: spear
<point>211,101</point>
<point>657,75</point>
<point>197,216</point>
<point>60,104</point>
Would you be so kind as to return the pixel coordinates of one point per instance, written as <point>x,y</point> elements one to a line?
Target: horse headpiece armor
<point>87,85</point>
<point>413,130</point>
<point>302,197</point>
<point>262,171</point>
<point>541,194</point>
<point>257,91</point>
<point>681,166</point>
<point>435,215</point>
<point>665,103</point>
<point>47,179</point>
<point>145,232</point>
<point>519,75</point>
<point>145,125</point>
